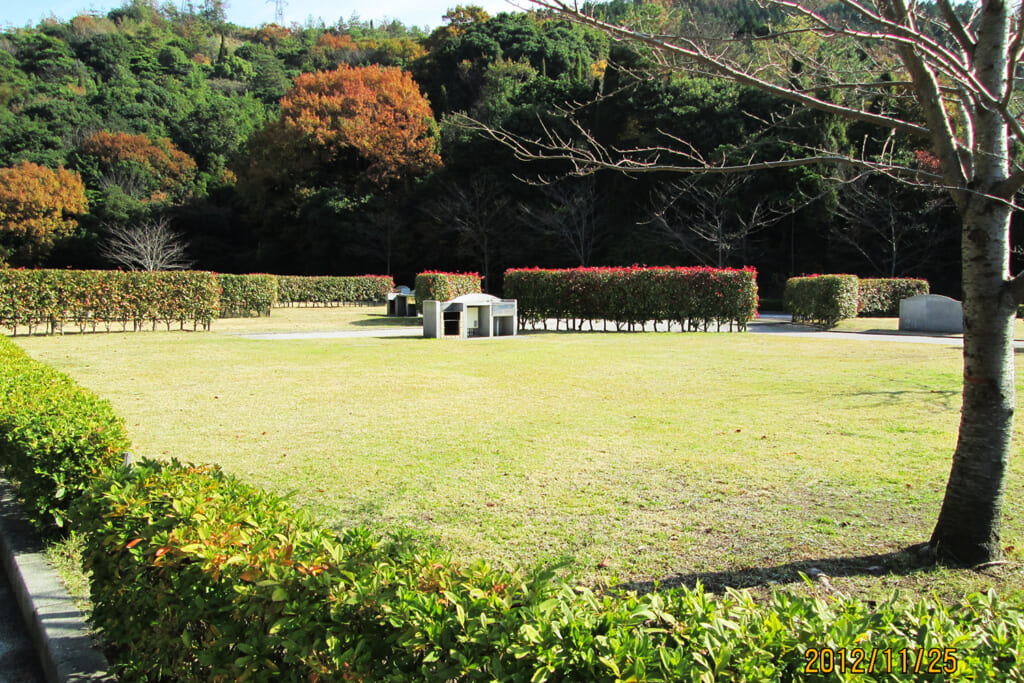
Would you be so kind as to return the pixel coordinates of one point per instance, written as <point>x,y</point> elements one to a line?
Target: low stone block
<point>931,313</point>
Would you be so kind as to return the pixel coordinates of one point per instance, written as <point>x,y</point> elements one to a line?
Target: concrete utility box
<point>931,313</point>
<point>402,304</point>
<point>470,315</point>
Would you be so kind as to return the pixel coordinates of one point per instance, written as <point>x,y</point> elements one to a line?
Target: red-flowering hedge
<point>437,286</point>
<point>50,299</point>
<point>695,298</point>
<point>333,291</point>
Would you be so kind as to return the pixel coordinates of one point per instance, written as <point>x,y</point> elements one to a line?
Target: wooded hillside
<point>310,150</point>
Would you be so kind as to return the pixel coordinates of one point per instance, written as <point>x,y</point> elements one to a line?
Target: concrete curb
<point>58,630</point>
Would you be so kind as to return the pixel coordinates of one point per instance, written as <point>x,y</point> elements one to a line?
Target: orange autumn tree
<point>370,117</point>
<point>38,205</point>
<point>156,170</point>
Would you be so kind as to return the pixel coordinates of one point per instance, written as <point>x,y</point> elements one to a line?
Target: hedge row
<point>197,576</point>
<point>242,296</point>
<point>437,286</point>
<point>827,299</point>
<point>880,297</point>
<point>50,299</point>
<point>55,437</point>
<point>695,298</point>
<point>822,299</point>
<point>333,291</point>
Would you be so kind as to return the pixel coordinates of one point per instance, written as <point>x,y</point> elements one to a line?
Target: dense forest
<point>343,149</point>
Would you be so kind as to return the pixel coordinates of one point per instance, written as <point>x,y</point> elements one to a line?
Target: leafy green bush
<point>880,297</point>
<point>54,436</point>
<point>437,286</point>
<point>242,296</point>
<point>199,577</point>
<point>822,299</point>
<point>333,291</point>
<point>87,298</point>
<point>696,298</point>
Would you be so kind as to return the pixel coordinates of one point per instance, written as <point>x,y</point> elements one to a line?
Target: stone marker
<point>931,313</point>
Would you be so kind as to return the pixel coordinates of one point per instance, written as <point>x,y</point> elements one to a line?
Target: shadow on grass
<point>380,320</point>
<point>949,398</point>
<point>911,560</point>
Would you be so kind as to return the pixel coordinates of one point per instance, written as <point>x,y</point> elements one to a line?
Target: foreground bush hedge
<point>437,286</point>
<point>333,291</point>
<point>198,577</point>
<point>55,437</point>
<point>878,297</point>
<point>242,296</point>
<point>695,298</point>
<point>50,299</point>
<point>822,299</point>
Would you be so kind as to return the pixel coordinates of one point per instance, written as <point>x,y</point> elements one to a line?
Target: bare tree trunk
<point>968,528</point>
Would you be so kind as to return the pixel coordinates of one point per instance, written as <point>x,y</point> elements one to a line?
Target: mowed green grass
<point>738,459</point>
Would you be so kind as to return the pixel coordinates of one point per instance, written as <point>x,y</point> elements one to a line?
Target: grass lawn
<point>738,459</point>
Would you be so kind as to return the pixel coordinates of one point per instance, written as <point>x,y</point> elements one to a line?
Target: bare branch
<point>689,49</point>
<point>149,246</point>
<point>963,38</point>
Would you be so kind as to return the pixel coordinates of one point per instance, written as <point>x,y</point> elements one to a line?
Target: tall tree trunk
<point>968,528</point>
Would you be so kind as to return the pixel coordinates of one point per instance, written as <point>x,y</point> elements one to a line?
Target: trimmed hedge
<point>333,291</point>
<point>242,296</point>
<point>880,297</point>
<point>822,299</point>
<point>437,286</point>
<point>826,299</point>
<point>87,298</point>
<point>55,437</point>
<point>695,298</point>
<point>198,577</point>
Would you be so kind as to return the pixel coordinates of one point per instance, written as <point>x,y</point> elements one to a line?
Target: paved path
<point>769,323</point>
<point>18,662</point>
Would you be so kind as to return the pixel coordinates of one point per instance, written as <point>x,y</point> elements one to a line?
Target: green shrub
<point>333,291</point>
<point>880,297</point>
<point>50,299</point>
<point>242,296</point>
<point>437,286</point>
<point>199,577</point>
<point>696,298</point>
<point>54,435</point>
<point>822,299</point>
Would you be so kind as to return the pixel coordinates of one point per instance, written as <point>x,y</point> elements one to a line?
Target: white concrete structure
<point>931,313</point>
<point>470,315</point>
<point>402,304</point>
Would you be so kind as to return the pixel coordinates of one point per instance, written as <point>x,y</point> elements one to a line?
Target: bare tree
<point>707,220</point>
<point>479,212</point>
<point>893,231</point>
<point>568,212</point>
<point>149,246</point>
<point>961,67</point>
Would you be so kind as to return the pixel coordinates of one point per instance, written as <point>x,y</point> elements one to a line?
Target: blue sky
<point>256,12</point>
